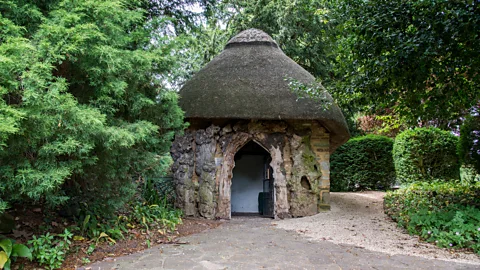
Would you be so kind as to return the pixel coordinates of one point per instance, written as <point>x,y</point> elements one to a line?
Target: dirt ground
<point>358,219</point>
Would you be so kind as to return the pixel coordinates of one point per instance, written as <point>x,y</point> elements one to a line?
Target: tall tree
<point>83,108</point>
<point>419,58</point>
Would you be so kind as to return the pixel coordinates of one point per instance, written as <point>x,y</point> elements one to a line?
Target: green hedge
<point>446,213</point>
<point>363,163</point>
<point>425,153</point>
<point>469,143</point>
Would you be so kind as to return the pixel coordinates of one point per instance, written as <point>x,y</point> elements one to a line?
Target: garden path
<point>260,243</point>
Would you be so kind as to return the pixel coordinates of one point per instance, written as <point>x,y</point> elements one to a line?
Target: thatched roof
<point>247,81</point>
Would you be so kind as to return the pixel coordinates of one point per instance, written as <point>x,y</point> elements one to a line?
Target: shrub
<point>446,213</point>
<point>425,153</point>
<point>469,143</point>
<point>50,250</point>
<point>77,126</point>
<point>363,163</point>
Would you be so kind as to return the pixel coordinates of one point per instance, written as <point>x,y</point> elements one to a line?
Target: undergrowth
<point>145,215</point>
<point>444,213</point>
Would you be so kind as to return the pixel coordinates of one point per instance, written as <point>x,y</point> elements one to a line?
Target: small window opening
<point>305,183</point>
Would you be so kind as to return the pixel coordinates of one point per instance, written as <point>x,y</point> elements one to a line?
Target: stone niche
<point>204,161</point>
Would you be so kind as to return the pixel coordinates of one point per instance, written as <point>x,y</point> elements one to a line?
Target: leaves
<point>82,95</point>
<point>469,144</point>
<point>445,213</point>
<point>415,57</point>
<point>363,162</point>
<point>104,235</point>
<point>6,245</point>
<point>20,250</point>
<point>11,250</point>
<point>424,154</point>
<point>50,250</point>
<point>3,259</point>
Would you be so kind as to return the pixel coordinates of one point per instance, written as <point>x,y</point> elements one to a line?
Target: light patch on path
<point>358,219</point>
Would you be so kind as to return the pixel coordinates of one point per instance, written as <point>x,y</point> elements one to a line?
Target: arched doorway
<point>252,182</point>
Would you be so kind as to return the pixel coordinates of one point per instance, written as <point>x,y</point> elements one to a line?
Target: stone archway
<point>252,181</point>
<point>273,144</point>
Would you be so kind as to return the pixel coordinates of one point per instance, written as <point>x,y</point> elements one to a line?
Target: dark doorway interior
<point>252,182</point>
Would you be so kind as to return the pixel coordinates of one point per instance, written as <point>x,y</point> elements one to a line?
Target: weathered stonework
<point>320,144</point>
<point>204,162</point>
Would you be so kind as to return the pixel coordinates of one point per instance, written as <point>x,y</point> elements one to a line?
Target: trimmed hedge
<point>427,154</point>
<point>363,163</point>
<point>469,143</point>
<point>446,213</point>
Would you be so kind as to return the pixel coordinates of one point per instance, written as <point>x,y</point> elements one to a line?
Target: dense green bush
<point>446,213</point>
<point>425,154</point>
<point>83,110</point>
<point>469,143</point>
<point>363,163</point>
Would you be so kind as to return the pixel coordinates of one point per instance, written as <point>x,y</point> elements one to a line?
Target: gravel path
<point>357,219</point>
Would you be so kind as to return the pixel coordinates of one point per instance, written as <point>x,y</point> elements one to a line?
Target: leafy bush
<point>469,143</point>
<point>363,163</point>
<point>426,154</point>
<point>83,110</point>
<point>50,250</point>
<point>446,213</point>
<point>10,251</point>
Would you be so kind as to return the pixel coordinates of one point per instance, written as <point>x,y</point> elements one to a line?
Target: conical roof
<point>247,80</point>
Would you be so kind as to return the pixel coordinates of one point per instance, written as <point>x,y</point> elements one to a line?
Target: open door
<point>252,182</point>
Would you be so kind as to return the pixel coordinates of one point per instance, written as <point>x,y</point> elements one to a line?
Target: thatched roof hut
<point>244,115</point>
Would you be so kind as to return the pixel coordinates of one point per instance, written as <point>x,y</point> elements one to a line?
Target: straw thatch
<point>248,81</point>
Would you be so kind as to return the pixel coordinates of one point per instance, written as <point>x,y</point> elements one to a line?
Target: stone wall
<point>204,161</point>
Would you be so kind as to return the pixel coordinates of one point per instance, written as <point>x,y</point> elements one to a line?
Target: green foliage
<point>85,260</point>
<point>416,57</point>
<point>446,213</point>
<point>102,229</point>
<point>10,251</point>
<point>469,143</point>
<point>425,154</point>
<point>50,250</point>
<point>159,190</point>
<point>313,91</point>
<point>83,109</point>
<point>139,215</point>
<point>363,163</point>
<point>154,215</point>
